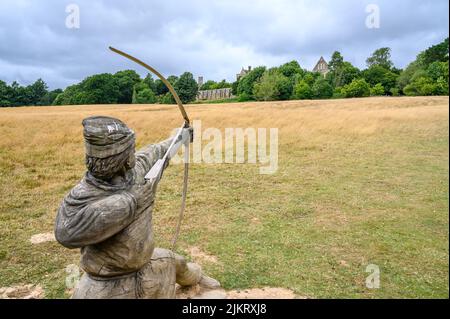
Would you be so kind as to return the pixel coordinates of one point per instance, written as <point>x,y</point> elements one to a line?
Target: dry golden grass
<point>360,181</point>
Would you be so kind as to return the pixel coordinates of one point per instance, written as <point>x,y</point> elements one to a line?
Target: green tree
<point>150,82</point>
<point>322,89</point>
<point>302,91</point>
<point>160,87</point>
<point>290,69</point>
<point>50,97</point>
<point>381,57</point>
<point>265,88</point>
<point>167,99</point>
<point>6,94</point>
<point>435,53</point>
<point>125,81</point>
<point>186,87</point>
<point>358,88</point>
<point>273,85</point>
<point>437,70</point>
<point>336,62</point>
<point>247,82</point>
<point>377,90</point>
<point>208,85</point>
<point>145,96</point>
<point>344,74</point>
<point>36,92</point>
<point>379,74</point>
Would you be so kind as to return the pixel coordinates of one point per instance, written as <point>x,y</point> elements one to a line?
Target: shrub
<point>377,90</point>
<point>302,91</point>
<point>358,88</point>
<point>322,89</point>
<point>186,87</point>
<point>145,96</point>
<point>247,82</point>
<point>272,86</point>
<point>395,91</point>
<point>166,98</point>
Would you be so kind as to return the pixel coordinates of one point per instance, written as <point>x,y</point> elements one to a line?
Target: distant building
<point>200,82</point>
<point>216,94</point>
<point>243,72</point>
<point>321,66</point>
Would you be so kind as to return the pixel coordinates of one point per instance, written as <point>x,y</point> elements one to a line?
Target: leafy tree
<point>310,78</point>
<point>290,69</point>
<point>302,91</point>
<point>405,76</point>
<point>381,57</point>
<point>145,96</point>
<point>160,87</point>
<point>167,99</point>
<point>343,75</point>
<point>222,85</point>
<point>265,88</point>
<point>50,97</point>
<point>273,85</point>
<point>234,87</point>
<point>395,91</point>
<point>435,53</point>
<point>322,89</point>
<point>36,92</point>
<point>150,82</point>
<point>208,85</point>
<point>377,90</point>
<point>358,88</point>
<point>247,82</point>
<point>336,61</point>
<point>125,82</point>
<point>379,74</point>
<point>6,94</point>
<point>186,87</point>
<point>173,79</point>
<point>437,70</point>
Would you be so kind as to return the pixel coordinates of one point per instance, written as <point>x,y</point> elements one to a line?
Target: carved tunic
<point>104,220</point>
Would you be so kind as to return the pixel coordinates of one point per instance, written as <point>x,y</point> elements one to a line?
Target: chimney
<point>200,81</point>
<point>249,68</point>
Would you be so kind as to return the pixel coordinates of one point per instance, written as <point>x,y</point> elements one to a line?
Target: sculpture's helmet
<point>106,136</point>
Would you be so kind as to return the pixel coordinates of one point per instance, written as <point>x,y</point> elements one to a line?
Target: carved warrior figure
<point>109,216</point>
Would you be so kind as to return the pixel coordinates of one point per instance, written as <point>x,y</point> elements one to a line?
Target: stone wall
<point>216,94</point>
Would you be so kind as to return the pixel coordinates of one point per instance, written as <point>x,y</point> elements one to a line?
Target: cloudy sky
<point>210,38</point>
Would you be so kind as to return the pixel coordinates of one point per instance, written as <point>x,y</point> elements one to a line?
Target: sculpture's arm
<point>94,222</point>
<point>148,155</point>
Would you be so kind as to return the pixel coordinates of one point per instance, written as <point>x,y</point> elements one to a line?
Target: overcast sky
<point>210,38</point>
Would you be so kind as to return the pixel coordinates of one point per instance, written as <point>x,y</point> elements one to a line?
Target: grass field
<point>360,181</point>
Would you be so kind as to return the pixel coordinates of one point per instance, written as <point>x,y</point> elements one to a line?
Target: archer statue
<point>109,216</point>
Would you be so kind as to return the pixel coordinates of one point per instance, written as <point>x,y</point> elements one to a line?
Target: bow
<point>176,142</point>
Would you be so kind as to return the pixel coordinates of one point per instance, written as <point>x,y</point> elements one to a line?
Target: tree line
<point>426,75</point>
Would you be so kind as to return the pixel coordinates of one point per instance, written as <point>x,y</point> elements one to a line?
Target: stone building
<point>321,66</point>
<point>200,82</point>
<point>216,94</point>
<point>243,72</point>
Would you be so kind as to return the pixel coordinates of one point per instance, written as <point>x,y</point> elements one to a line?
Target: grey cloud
<point>210,38</point>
